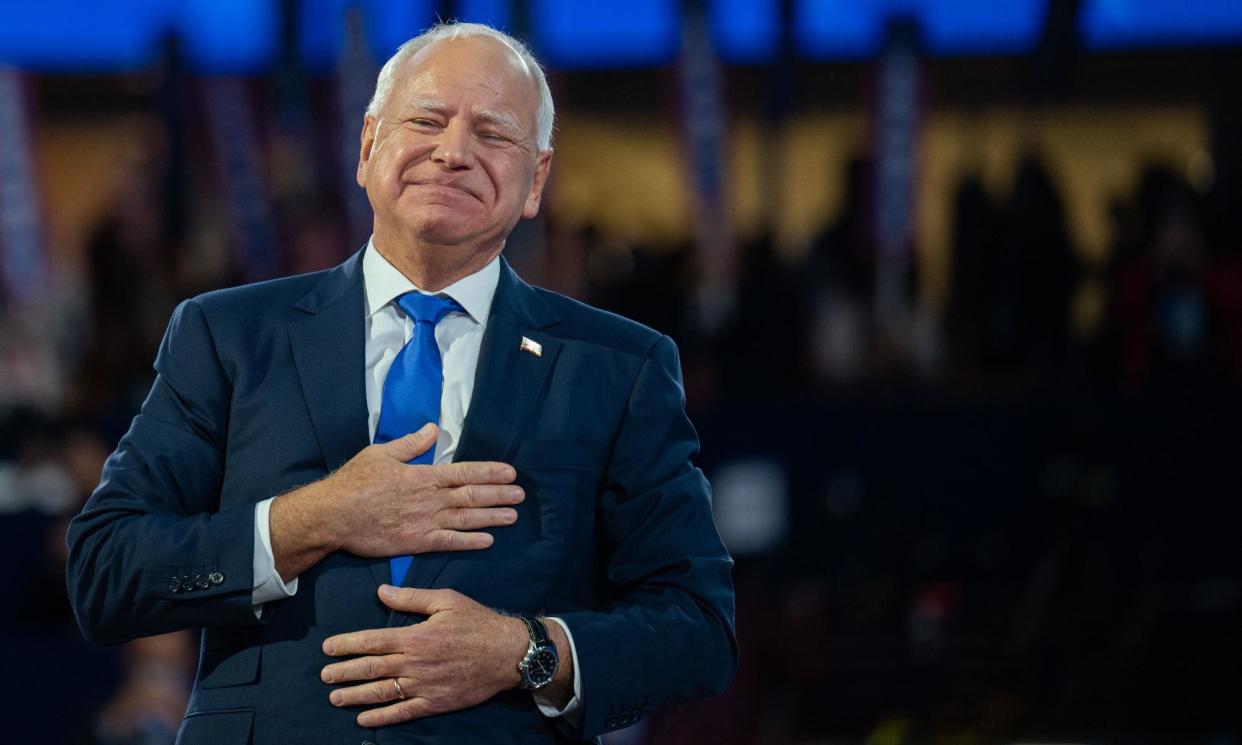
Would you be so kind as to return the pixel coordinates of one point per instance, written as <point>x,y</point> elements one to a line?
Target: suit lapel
<point>329,352</point>
<point>508,383</point>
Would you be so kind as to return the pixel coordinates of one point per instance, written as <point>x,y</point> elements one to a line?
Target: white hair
<point>544,118</point>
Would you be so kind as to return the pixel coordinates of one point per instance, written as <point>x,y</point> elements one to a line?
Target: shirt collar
<point>384,283</point>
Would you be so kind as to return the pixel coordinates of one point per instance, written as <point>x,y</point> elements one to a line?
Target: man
<point>566,574</point>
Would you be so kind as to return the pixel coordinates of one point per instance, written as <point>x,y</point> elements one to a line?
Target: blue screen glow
<point>497,13</point>
<point>746,30</point>
<point>243,35</point>
<point>572,33</point>
<point>1111,24</point>
<point>835,29</point>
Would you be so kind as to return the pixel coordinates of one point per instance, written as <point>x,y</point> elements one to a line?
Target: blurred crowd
<point>1025,315</point>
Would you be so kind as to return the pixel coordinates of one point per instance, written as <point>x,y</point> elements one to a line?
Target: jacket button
<point>187,583</point>
<point>217,578</point>
<point>201,582</point>
<point>367,742</point>
<point>174,585</point>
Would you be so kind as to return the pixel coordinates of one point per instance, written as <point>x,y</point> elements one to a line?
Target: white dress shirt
<point>459,336</point>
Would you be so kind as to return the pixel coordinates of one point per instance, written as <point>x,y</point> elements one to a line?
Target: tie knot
<point>429,308</point>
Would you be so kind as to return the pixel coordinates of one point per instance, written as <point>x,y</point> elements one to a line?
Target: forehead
<point>478,68</point>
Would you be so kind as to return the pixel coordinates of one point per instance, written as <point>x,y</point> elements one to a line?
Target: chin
<point>445,234</point>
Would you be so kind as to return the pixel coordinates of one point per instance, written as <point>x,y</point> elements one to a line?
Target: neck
<point>432,267</point>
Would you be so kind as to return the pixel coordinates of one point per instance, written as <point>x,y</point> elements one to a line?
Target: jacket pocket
<point>216,728</point>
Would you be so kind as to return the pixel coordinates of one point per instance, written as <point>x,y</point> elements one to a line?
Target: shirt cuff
<point>268,585</point>
<point>570,712</point>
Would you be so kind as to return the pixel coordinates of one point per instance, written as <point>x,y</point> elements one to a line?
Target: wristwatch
<point>539,666</point>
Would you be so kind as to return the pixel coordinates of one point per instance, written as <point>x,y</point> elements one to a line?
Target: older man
<point>531,454</point>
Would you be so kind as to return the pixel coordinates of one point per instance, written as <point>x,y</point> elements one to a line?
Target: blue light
<point>854,29</point>
<point>228,37</point>
<point>982,26</point>
<point>391,24</point>
<point>746,30</point>
<point>495,13</point>
<point>243,36</point>
<point>572,33</point>
<point>322,28</point>
<point>59,35</point>
<point>825,29</point>
<point>1109,24</point>
<point>63,35</point>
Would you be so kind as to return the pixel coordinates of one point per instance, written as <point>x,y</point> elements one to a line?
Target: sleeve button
<point>201,582</point>
<point>217,578</point>
<point>174,585</point>
<point>187,583</point>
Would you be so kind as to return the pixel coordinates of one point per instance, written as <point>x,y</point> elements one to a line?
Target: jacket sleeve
<point>665,634</point>
<point>151,551</point>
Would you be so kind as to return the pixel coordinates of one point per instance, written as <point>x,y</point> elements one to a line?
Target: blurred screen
<point>64,35</point>
<point>830,29</point>
<point>1109,24</point>
<point>243,35</point>
<point>570,33</point>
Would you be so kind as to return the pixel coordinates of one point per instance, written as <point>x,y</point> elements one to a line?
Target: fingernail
<point>388,591</point>
<point>325,675</point>
<point>510,473</point>
<point>336,697</point>
<point>509,515</point>
<point>516,494</point>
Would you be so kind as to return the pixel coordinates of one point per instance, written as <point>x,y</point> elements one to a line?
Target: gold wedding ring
<point>397,685</point>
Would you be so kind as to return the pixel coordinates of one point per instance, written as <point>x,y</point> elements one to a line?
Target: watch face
<point>542,667</point>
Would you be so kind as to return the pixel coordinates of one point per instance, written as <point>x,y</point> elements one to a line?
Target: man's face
<point>452,159</point>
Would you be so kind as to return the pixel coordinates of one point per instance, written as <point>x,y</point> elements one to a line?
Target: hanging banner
<point>241,162</point>
<point>30,367</point>
<point>897,119</point>
<point>706,139</point>
<point>355,80</point>
<point>21,230</point>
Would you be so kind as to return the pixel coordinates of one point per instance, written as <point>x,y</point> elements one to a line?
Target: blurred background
<point>957,286</point>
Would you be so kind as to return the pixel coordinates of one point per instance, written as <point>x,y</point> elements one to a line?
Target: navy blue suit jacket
<point>260,389</point>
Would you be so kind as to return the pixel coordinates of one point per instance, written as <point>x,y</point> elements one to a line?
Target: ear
<point>543,166</point>
<point>370,130</point>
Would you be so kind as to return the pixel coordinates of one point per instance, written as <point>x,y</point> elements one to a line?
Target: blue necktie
<point>413,385</point>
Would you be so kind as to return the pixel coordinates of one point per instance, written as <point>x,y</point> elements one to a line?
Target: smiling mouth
<point>451,188</point>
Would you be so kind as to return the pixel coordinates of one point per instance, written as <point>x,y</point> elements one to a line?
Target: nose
<point>454,148</point>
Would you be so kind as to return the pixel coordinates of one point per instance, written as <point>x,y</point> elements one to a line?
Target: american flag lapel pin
<point>531,346</point>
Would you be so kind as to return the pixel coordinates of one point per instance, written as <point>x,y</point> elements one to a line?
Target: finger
<point>376,692</point>
<point>473,472</point>
<point>414,444</point>
<point>473,519</point>
<point>402,711</point>
<point>453,540</point>
<point>371,641</point>
<point>362,668</point>
<point>417,599</point>
<point>485,495</point>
